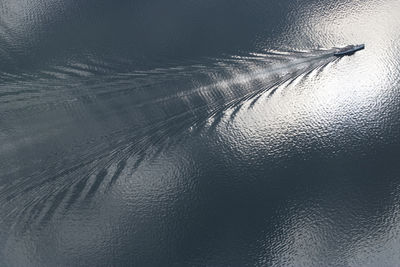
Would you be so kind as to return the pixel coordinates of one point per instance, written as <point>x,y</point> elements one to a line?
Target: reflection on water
<point>147,133</point>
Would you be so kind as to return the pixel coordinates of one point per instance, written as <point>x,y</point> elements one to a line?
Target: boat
<point>349,50</point>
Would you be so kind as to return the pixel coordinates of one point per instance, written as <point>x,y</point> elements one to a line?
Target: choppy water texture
<point>217,133</point>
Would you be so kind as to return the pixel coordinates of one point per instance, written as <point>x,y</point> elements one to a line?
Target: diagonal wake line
<point>56,187</point>
<point>213,108</point>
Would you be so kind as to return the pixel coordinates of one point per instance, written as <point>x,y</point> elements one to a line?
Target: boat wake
<point>71,132</point>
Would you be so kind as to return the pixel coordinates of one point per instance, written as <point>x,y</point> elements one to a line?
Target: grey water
<point>199,133</point>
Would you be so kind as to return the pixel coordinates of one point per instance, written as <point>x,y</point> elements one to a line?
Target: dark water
<point>205,133</point>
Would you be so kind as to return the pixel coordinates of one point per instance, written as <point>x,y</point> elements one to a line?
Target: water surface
<point>154,133</point>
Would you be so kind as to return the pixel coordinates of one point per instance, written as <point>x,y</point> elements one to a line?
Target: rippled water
<point>154,133</point>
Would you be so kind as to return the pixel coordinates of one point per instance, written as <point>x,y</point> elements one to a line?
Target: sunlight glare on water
<point>154,133</point>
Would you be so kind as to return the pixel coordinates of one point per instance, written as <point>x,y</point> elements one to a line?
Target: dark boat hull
<point>349,50</point>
